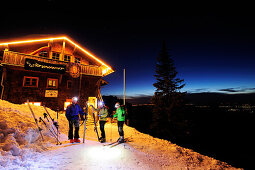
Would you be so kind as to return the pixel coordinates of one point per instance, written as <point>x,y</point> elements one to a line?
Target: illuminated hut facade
<point>49,71</point>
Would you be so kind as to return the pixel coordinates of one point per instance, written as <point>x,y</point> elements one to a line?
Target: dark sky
<point>211,53</point>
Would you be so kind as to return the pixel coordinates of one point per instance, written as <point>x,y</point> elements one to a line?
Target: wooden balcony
<point>18,59</point>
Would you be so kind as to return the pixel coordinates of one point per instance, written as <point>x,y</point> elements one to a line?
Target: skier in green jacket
<point>102,114</point>
<point>120,114</point>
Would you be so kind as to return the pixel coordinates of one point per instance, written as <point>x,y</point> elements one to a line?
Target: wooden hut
<point>49,71</point>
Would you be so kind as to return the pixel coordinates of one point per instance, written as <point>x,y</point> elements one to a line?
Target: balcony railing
<point>18,59</point>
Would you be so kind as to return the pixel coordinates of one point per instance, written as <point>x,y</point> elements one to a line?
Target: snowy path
<point>91,155</point>
<point>21,147</point>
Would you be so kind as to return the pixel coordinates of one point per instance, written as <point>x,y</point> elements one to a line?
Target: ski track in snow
<point>91,155</point>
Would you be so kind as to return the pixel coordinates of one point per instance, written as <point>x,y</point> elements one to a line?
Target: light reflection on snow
<point>103,153</point>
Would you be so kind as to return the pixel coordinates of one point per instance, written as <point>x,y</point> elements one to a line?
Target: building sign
<point>51,93</point>
<point>75,70</point>
<point>36,65</point>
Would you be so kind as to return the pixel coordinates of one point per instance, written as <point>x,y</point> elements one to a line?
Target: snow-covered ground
<point>91,155</point>
<point>21,147</point>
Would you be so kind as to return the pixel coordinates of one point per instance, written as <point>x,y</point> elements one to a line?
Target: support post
<point>124,87</point>
<point>50,44</point>
<point>63,51</point>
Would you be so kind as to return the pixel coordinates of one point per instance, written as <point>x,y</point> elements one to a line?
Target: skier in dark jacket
<point>72,114</point>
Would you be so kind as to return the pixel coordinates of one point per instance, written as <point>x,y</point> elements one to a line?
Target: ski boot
<point>102,140</point>
<point>121,139</point>
<point>71,140</point>
<point>118,139</point>
<point>77,140</point>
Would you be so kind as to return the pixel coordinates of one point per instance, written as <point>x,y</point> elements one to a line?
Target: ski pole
<point>48,113</point>
<point>85,122</point>
<point>111,129</point>
<point>84,130</point>
<point>35,120</point>
<point>53,130</point>
<point>54,123</point>
<point>45,116</point>
<point>54,135</point>
<point>95,126</point>
<point>57,126</point>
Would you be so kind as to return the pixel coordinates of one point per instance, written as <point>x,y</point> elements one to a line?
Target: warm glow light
<point>88,53</point>
<point>37,103</point>
<point>104,71</point>
<point>31,41</point>
<point>103,153</point>
<point>34,103</point>
<point>59,38</point>
<point>66,104</point>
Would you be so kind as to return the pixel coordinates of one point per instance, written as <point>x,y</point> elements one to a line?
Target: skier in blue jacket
<point>72,114</point>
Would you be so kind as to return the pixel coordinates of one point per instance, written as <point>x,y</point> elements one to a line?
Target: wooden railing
<point>18,59</point>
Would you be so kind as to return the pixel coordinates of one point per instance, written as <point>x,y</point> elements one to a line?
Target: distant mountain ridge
<point>205,98</point>
<point>220,98</point>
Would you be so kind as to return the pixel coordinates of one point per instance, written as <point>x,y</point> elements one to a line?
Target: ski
<point>54,135</point>
<point>95,126</point>
<point>40,129</point>
<point>108,144</point>
<point>125,141</point>
<point>57,128</point>
<point>48,114</point>
<point>54,122</point>
<point>84,130</point>
<point>51,125</point>
<point>117,142</point>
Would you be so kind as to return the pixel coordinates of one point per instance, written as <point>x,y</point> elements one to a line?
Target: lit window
<point>67,103</point>
<point>77,60</point>
<point>34,103</point>
<point>52,83</point>
<point>37,103</point>
<point>67,58</point>
<point>69,84</point>
<point>55,55</point>
<point>30,81</point>
<point>43,53</point>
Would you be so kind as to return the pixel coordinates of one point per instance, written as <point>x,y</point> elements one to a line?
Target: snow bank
<point>20,141</point>
<point>19,134</point>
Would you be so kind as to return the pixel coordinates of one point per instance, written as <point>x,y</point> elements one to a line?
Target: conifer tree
<point>167,96</point>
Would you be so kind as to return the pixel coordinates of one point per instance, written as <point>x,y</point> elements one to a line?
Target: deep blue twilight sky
<point>211,53</point>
